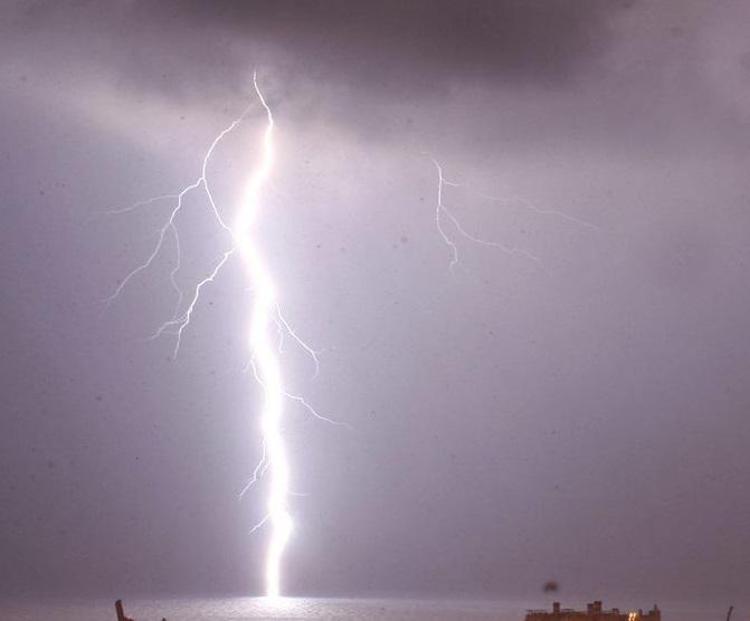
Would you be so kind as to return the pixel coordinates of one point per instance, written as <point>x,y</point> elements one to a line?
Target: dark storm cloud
<point>520,40</point>
<point>405,45</point>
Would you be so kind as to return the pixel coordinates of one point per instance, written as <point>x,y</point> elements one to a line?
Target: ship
<point>594,612</point>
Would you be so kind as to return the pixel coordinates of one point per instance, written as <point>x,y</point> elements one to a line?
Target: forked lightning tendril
<point>442,211</point>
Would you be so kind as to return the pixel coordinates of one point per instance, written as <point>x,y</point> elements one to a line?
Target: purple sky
<point>584,420</point>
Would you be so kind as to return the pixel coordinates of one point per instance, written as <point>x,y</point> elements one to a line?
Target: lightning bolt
<point>267,325</point>
<point>266,319</point>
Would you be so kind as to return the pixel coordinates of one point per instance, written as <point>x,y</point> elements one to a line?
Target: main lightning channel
<point>265,361</point>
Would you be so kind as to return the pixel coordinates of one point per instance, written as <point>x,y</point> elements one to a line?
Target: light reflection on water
<point>264,609</point>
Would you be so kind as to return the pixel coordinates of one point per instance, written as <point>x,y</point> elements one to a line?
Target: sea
<point>259,609</point>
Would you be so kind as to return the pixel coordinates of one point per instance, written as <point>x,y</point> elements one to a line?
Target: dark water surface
<point>237,608</point>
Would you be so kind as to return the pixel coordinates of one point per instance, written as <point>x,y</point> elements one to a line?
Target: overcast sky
<point>582,418</point>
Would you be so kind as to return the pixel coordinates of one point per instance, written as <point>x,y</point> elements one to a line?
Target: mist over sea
<point>240,608</point>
